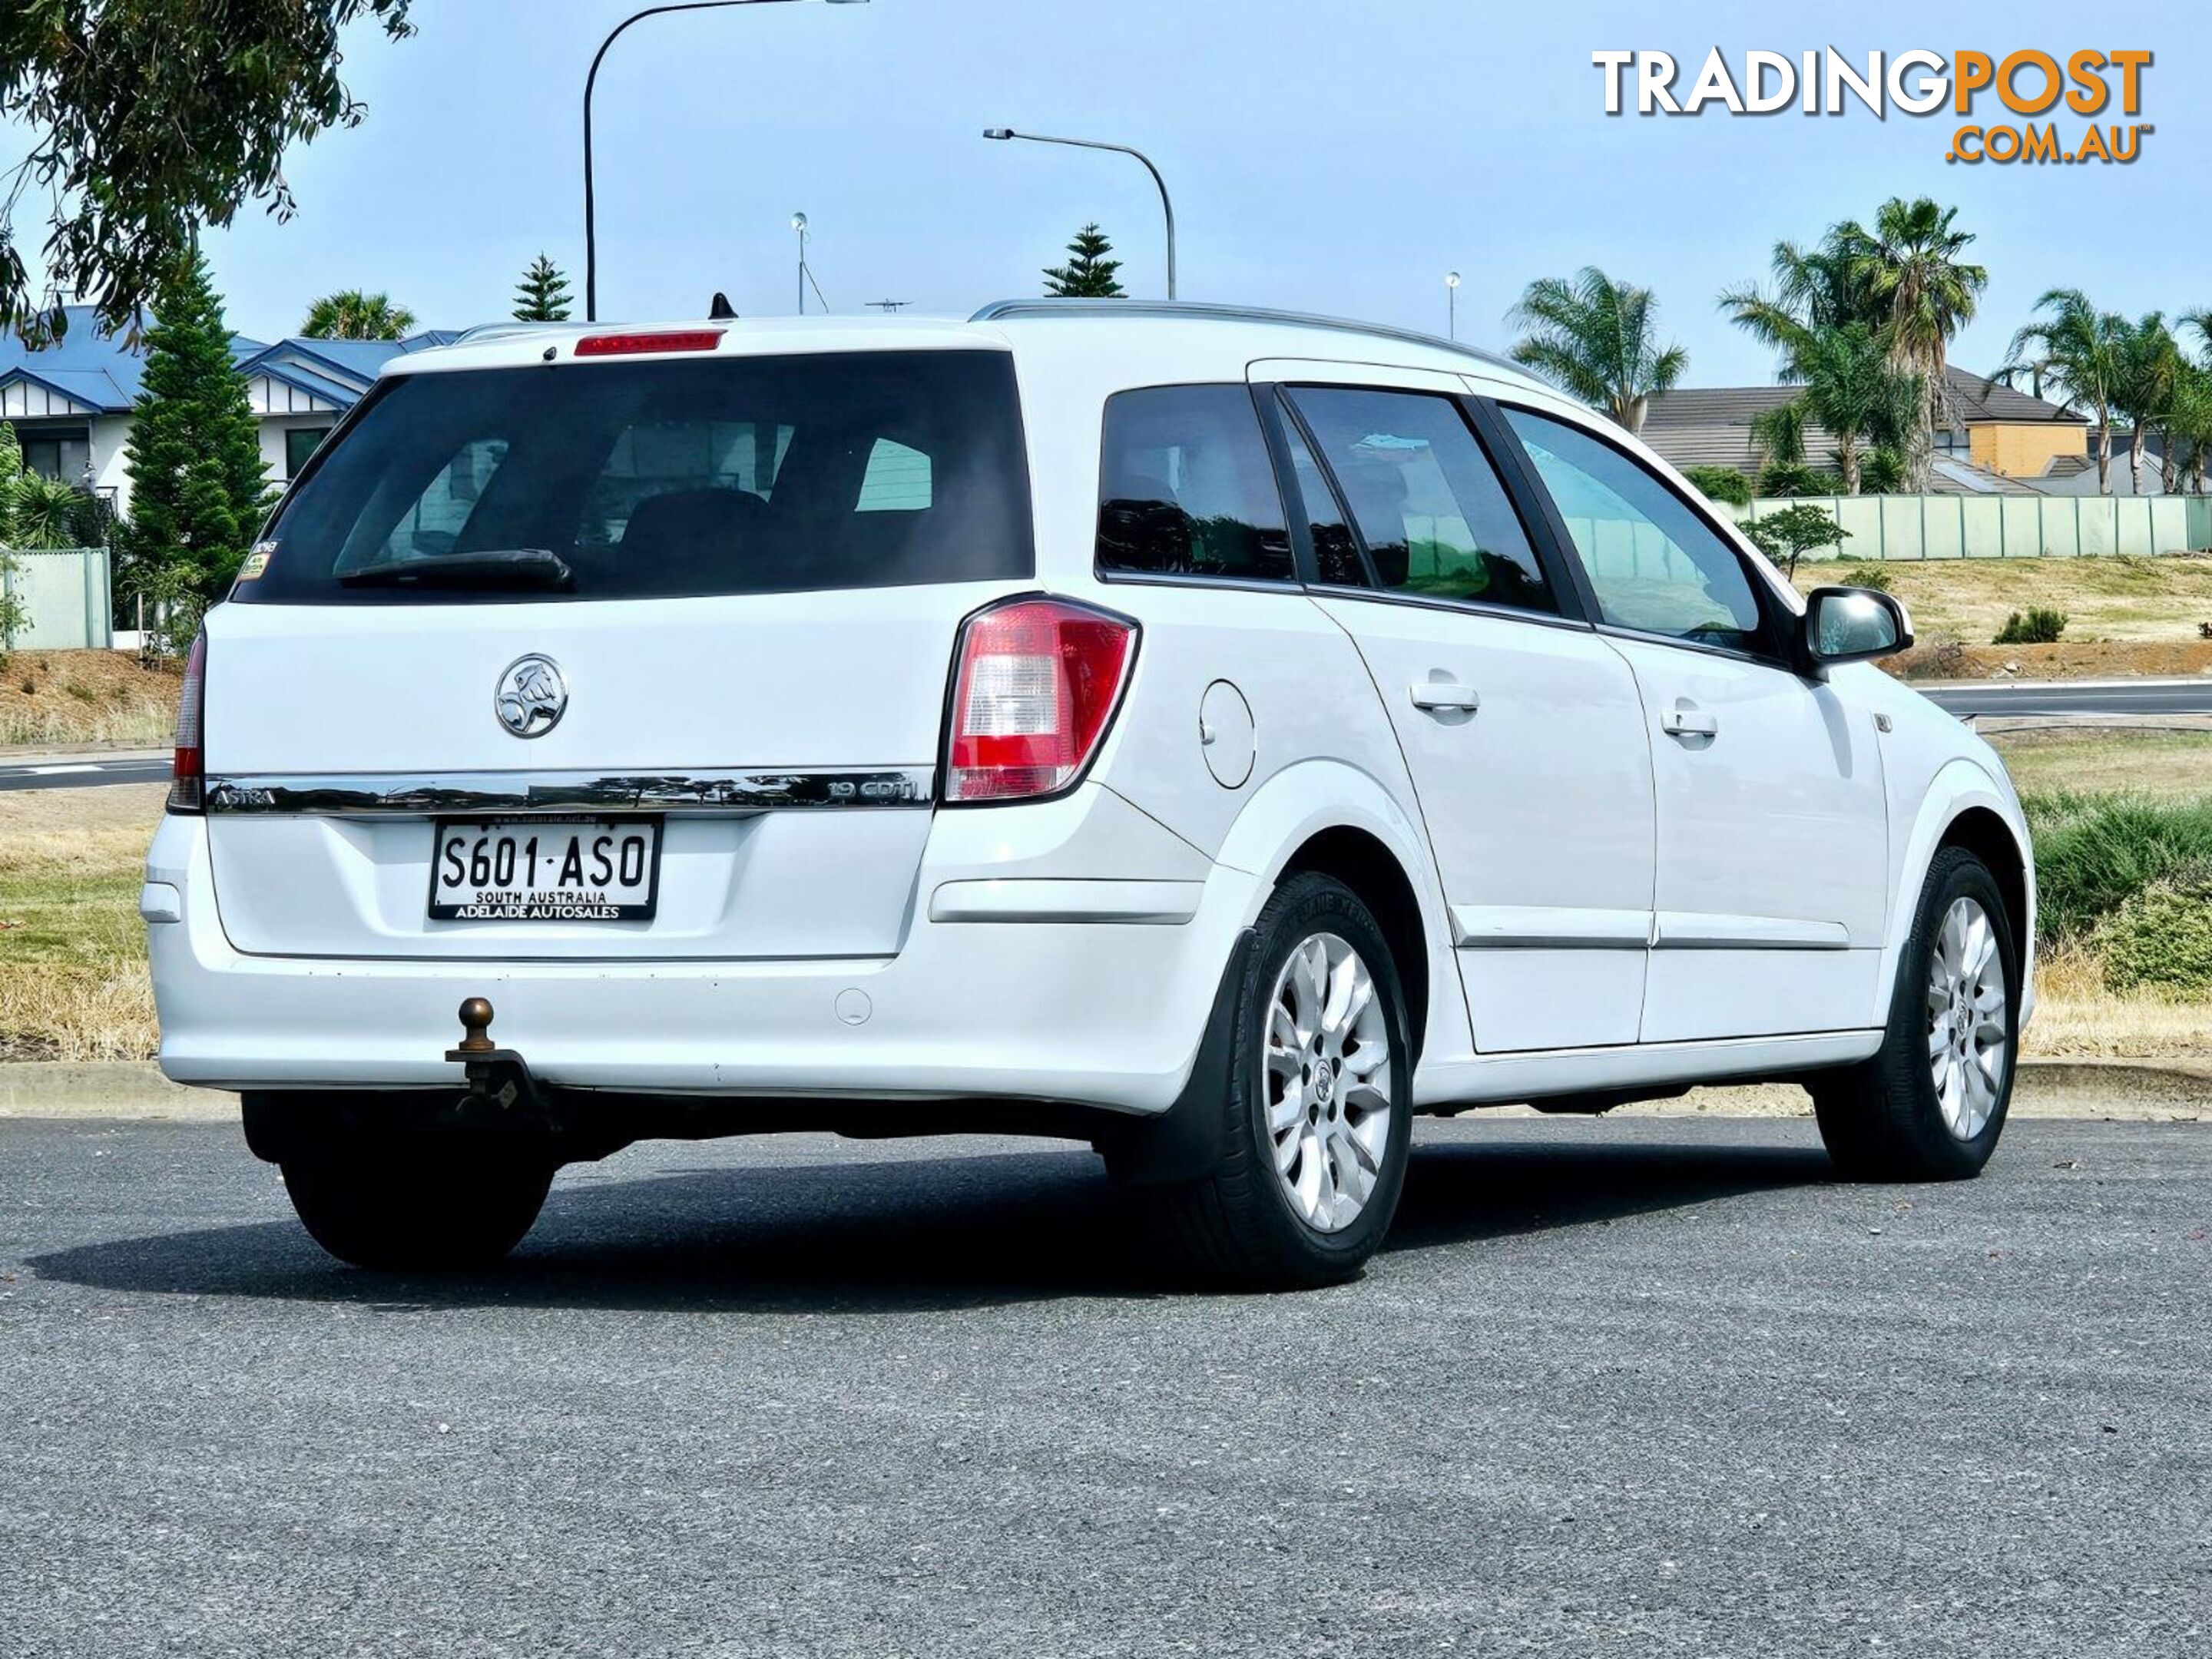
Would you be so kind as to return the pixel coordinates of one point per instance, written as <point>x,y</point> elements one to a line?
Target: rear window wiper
<point>507,567</point>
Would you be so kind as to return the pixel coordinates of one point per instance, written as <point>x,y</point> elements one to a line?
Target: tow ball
<point>498,1078</point>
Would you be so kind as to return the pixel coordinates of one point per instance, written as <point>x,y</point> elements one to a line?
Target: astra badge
<point>532,696</point>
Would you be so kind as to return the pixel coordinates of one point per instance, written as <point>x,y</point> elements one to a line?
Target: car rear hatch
<point>628,659</point>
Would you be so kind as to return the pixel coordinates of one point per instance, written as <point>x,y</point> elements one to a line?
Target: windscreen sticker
<point>257,561</point>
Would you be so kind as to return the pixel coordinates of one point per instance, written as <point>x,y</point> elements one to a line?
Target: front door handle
<point>1444,693</point>
<point>1687,720</point>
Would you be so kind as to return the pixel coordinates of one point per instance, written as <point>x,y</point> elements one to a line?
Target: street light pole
<point>590,82</point>
<point>1451,304</point>
<point>799,224</point>
<point>1167,207</point>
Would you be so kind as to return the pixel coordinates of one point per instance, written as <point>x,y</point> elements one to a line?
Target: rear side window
<point>1654,566</point>
<point>665,479</point>
<point>1435,518</point>
<point>1185,487</point>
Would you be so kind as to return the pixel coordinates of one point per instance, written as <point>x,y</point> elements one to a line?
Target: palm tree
<point>1908,268</point>
<point>2149,363</point>
<point>1597,338</point>
<point>1816,289</point>
<point>2076,349</point>
<point>351,314</point>
<point>1853,390</point>
<point>2186,422</point>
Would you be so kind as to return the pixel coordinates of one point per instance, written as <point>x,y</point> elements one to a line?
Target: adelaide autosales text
<point>2026,84</point>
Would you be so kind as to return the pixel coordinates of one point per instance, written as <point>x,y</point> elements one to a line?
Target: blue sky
<point>1334,157</point>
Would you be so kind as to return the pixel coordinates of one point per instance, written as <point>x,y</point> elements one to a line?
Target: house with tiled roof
<point>2001,442</point>
<point>71,402</point>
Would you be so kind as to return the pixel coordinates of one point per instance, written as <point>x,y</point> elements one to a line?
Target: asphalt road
<point>2061,699</point>
<point>1636,1388</point>
<point>83,774</point>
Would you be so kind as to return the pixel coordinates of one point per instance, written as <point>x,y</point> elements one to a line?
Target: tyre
<point>1317,1101</point>
<point>1930,1104</point>
<point>426,1209</point>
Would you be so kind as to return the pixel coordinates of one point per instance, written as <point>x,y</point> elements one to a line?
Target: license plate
<point>545,869</point>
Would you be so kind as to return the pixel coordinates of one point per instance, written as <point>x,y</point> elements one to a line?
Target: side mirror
<point>1852,624</point>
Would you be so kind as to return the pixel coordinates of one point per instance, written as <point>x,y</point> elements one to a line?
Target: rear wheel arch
<point>1373,872</point>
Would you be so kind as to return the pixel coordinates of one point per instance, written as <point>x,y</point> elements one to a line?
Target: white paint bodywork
<point>1601,906</point>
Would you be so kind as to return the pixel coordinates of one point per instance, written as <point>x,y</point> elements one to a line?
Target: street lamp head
<point>1451,279</point>
<point>799,222</point>
<point>998,132</point>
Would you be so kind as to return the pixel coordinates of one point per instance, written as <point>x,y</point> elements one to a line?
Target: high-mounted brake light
<point>623,345</point>
<point>1036,685</point>
<point>188,767</point>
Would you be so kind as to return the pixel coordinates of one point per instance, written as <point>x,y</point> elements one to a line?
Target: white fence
<point>67,595</point>
<point>2006,526</point>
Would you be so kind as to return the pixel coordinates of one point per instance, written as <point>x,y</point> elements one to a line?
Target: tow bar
<point>499,1084</point>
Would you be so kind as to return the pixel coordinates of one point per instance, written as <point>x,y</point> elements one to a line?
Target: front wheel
<point>1932,1102</point>
<point>424,1209</point>
<point>1317,1103</point>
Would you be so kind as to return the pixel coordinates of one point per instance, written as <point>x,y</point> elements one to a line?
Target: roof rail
<point>999,310</point>
<point>502,331</point>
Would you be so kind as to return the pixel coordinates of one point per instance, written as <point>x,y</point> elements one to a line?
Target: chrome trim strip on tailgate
<point>727,793</point>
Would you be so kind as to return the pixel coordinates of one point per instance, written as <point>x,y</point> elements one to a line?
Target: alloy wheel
<point>1969,1039</point>
<point>1326,1082</point>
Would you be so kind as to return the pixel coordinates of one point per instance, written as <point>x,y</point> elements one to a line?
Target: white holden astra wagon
<point>1220,736</point>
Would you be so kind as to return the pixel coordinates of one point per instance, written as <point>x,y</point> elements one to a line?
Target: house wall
<point>2022,450</point>
<point>111,467</point>
<point>272,439</point>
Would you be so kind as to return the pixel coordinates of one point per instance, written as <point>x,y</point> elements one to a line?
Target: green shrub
<point>2162,937</point>
<point>1720,484</point>
<point>1788,535</point>
<point>1788,478</point>
<point>2095,853</point>
<point>1867,575</point>
<point>2040,626</point>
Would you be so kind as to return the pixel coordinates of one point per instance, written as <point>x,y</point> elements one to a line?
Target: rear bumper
<point>1087,992</point>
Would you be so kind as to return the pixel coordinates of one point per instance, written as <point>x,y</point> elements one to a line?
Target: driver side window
<point>1656,567</point>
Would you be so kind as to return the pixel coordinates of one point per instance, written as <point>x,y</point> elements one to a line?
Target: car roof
<point>1198,341</point>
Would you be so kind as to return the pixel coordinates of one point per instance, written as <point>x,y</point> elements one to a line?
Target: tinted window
<point>1336,555</point>
<point>711,475</point>
<point>1436,519</point>
<point>1185,487</point>
<point>1654,564</point>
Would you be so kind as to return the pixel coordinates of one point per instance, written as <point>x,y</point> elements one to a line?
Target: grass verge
<point>73,981</point>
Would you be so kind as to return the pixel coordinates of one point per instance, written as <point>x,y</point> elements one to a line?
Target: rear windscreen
<point>663,479</point>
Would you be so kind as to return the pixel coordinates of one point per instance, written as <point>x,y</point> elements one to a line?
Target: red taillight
<point>623,345</point>
<point>187,771</point>
<point>1037,683</point>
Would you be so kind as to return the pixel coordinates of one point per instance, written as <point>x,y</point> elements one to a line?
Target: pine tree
<point>1088,274</point>
<point>542,295</point>
<point>196,488</point>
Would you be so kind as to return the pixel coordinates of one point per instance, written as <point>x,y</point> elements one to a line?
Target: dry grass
<point>2075,1016</point>
<point>2104,599</point>
<point>70,699</point>
<point>2163,765</point>
<point>73,981</point>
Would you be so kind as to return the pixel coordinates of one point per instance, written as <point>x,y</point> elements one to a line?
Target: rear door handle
<point>1444,693</point>
<point>1684,721</point>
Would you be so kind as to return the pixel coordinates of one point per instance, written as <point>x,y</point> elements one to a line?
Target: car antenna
<point>720,310</point>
